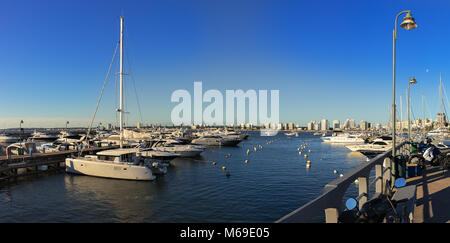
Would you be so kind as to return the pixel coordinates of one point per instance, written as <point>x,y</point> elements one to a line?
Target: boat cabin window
<point>127,157</point>
<point>105,157</point>
<point>380,143</point>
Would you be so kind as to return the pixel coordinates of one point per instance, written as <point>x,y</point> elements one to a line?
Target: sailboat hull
<point>108,169</point>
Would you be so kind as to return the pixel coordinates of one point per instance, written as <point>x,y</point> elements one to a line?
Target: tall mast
<point>440,95</point>
<point>121,82</point>
<point>423,111</point>
<point>401,114</point>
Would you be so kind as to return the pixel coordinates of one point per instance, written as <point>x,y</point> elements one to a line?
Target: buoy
<point>224,167</point>
<point>356,181</point>
<point>300,153</point>
<point>309,151</point>
<point>308,162</point>
<point>308,165</point>
<point>335,171</point>
<point>306,156</point>
<point>341,175</point>
<point>246,161</point>
<point>214,163</point>
<point>228,174</point>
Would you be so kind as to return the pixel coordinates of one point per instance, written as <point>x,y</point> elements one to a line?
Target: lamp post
<point>67,123</point>
<point>412,80</point>
<point>20,128</point>
<point>408,24</point>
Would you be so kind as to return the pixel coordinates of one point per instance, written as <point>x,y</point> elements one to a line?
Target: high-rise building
<point>311,125</point>
<point>324,125</point>
<point>336,124</point>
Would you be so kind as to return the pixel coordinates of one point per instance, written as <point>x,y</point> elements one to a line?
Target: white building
<point>336,124</point>
<point>324,124</point>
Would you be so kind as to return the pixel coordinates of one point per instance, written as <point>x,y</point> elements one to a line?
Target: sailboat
<point>442,131</point>
<point>116,163</point>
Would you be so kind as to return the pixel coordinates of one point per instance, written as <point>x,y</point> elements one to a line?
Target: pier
<point>20,165</point>
<point>429,205</point>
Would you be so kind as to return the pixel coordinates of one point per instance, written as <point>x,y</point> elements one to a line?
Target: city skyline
<point>54,73</point>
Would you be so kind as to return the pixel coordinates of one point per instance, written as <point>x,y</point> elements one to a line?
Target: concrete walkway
<point>433,196</point>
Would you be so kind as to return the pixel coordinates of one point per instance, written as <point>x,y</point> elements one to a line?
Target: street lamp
<point>412,80</point>
<point>408,24</point>
<point>67,123</point>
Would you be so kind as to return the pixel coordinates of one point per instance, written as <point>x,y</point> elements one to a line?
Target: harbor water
<point>274,182</point>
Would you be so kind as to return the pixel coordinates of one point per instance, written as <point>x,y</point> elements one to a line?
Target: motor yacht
<point>181,150</point>
<point>22,148</point>
<point>372,149</point>
<point>4,138</point>
<point>42,137</point>
<point>342,138</point>
<point>216,141</point>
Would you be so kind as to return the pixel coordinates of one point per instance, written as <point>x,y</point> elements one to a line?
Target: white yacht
<point>22,148</point>
<point>42,137</point>
<point>4,138</point>
<point>216,141</point>
<point>342,138</point>
<point>114,163</point>
<point>181,150</point>
<point>291,134</point>
<point>370,150</point>
<point>439,132</point>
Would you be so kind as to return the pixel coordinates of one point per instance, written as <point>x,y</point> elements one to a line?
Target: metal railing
<point>330,201</point>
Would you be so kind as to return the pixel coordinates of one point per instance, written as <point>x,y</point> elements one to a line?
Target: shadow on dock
<point>433,193</point>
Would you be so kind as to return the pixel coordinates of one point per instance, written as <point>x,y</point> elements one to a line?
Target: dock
<point>433,191</point>
<point>429,205</point>
<point>20,165</point>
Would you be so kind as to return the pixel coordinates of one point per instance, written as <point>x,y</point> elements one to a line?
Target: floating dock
<point>20,165</point>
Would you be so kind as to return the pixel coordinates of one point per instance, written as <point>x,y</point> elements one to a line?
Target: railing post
<point>387,173</point>
<point>331,215</point>
<point>379,178</point>
<point>363,189</point>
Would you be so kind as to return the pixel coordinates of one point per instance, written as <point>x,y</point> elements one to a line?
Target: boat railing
<point>330,201</point>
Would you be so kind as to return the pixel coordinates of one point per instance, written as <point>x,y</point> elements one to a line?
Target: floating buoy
<point>300,153</point>
<point>214,163</point>
<point>308,165</point>
<point>309,151</point>
<point>335,171</point>
<point>341,175</point>
<point>224,167</point>
<point>306,156</point>
<point>308,162</point>
<point>356,181</point>
<point>246,161</point>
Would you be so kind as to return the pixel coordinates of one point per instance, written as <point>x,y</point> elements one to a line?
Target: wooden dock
<point>433,193</point>
<point>19,165</point>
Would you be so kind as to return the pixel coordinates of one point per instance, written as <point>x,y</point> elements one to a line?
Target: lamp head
<point>408,22</point>
<point>412,80</point>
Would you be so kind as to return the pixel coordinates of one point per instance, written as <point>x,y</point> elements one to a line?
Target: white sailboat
<point>117,163</point>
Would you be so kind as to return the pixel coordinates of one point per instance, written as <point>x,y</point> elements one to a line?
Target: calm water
<point>273,183</point>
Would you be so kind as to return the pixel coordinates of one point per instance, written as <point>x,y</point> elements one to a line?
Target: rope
<point>99,98</point>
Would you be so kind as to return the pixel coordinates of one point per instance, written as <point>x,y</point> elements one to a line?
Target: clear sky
<point>329,59</point>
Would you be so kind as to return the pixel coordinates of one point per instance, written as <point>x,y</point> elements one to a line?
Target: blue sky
<point>329,59</point>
